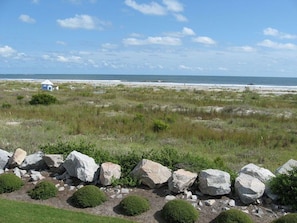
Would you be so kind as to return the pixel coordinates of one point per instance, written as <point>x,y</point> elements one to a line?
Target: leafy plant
<point>134,205</point>
<point>9,183</point>
<point>285,187</point>
<point>288,218</point>
<point>6,105</point>
<point>43,190</point>
<point>232,216</point>
<point>42,99</point>
<point>88,196</point>
<point>160,125</point>
<point>179,211</point>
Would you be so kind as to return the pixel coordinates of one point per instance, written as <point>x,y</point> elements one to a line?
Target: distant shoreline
<point>263,89</point>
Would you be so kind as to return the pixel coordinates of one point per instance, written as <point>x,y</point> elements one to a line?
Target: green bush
<point>6,105</point>
<point>134,205</point>
<point>9,183</point>
<point>285,187</point>
<point>43,190</point>
<point>160,125</point>
<point>232,216</point>
<point>42,99</point>
<point>289,218</point>
<point>179,211</point>
<point>88,196</point>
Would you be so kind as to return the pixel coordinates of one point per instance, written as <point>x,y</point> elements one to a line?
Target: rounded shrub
<point>179,211</point>
<point>43,190</point>
<point>9,183</point>
<point>88,196</point>
<point>232,216</point>
<point>42,99</point>
<point>289,218</point>
<point>134,205</point>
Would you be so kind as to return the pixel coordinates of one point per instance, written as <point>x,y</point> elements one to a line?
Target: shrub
<point>6,105</point>
<point>42,99</point>
<point>179,211</point>
<point>160,125</point>
<point>9,183</point>
<point>232,216</point>
<point>134,205</point>
<point>289,218</point>
<point>285,187</point>
<point>43,190</point>
<point>88,196</point>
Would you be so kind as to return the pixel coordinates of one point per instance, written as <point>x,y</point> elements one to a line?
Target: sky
<point>159,37</point>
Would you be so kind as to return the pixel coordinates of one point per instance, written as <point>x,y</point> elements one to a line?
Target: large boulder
<point>181,180</point>
<point>34,162</point>
<point>18,157</point>
<point>108,172</point>
<point>248,188</point>
<point>81,166</point>
<point>53,160</point>
<point>288,166</point>
<point>4,158</point>
<point>260,173</point>
<point>151,173</point>
<point>214,182</point>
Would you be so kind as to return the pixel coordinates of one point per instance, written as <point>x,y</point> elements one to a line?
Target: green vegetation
<point>285,187</point>
<point>43,190</point>
<point>9,183</point>
<point>42,99</point>
<point>179,211</point>
<point>14,212</point>
<point>289,218</point>
<point>134,205</point>
<point>238,127</point>
<point>88,196</point>
<point>232,216</point>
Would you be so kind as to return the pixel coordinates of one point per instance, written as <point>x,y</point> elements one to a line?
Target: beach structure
<point>47,85</point>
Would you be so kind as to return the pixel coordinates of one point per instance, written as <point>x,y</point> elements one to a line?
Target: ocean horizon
<point>182,79</point>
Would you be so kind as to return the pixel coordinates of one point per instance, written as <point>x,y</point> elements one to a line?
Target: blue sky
<point>180,37</point>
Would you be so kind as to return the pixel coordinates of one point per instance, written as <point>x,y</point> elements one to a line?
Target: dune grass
<point>238,127</point>
<point>15,211</point>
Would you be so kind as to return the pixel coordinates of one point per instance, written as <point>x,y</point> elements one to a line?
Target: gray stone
<point>248,188</point>
<point>33,162</point>
<point>4,158</point>
<point>170,198</point>
<point>19,173</point>
<point>288,166</point>
<point>108,172</point>
<point>36,175</point>
<point>181,180</point>
<point>214,182</point>
<point>81,166</point>
<point>260,173</point>
<point>151,173</point>
<point>53,160</point>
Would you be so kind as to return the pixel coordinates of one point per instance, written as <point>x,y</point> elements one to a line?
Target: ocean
<point>184,79</point>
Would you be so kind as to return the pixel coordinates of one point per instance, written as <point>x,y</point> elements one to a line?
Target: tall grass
<point>239,127</point>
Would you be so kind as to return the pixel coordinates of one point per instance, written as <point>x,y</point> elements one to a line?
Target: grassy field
<point>237,127</point>
<point>14,212</point>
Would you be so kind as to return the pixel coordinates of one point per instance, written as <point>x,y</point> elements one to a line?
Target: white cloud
<point>69,59</point>
<point>26,19</point>
<point>109,46</point>
<point>60,43</point>
<point>7,51</point>
<point>150,9</point>
<point>167,40</point>
<point>244,49</point>
<point>173,5</point>
<point>275,33</point>
<point>188,32</point>
<point>204,40</point>
<point>276,45</point>
<point>81,22</point>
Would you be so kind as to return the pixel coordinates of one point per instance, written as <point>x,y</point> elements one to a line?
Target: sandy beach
<point>261,89</point>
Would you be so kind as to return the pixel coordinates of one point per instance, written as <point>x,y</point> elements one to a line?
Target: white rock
<point>181,180</point>
<point>108,172</point>
<point>288,166</point>
<point>18,157</point>
<point>260,173</point>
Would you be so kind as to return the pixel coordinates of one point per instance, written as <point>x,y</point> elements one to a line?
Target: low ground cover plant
<point>88,196</point>
<point>232,216</point>
<point>9,183</point>
<point>285,187</point>
<point>134,205</point>
<point>42,99</point>
<point>43,190</point>
<point>179,211</point>
<point>288,218</point>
